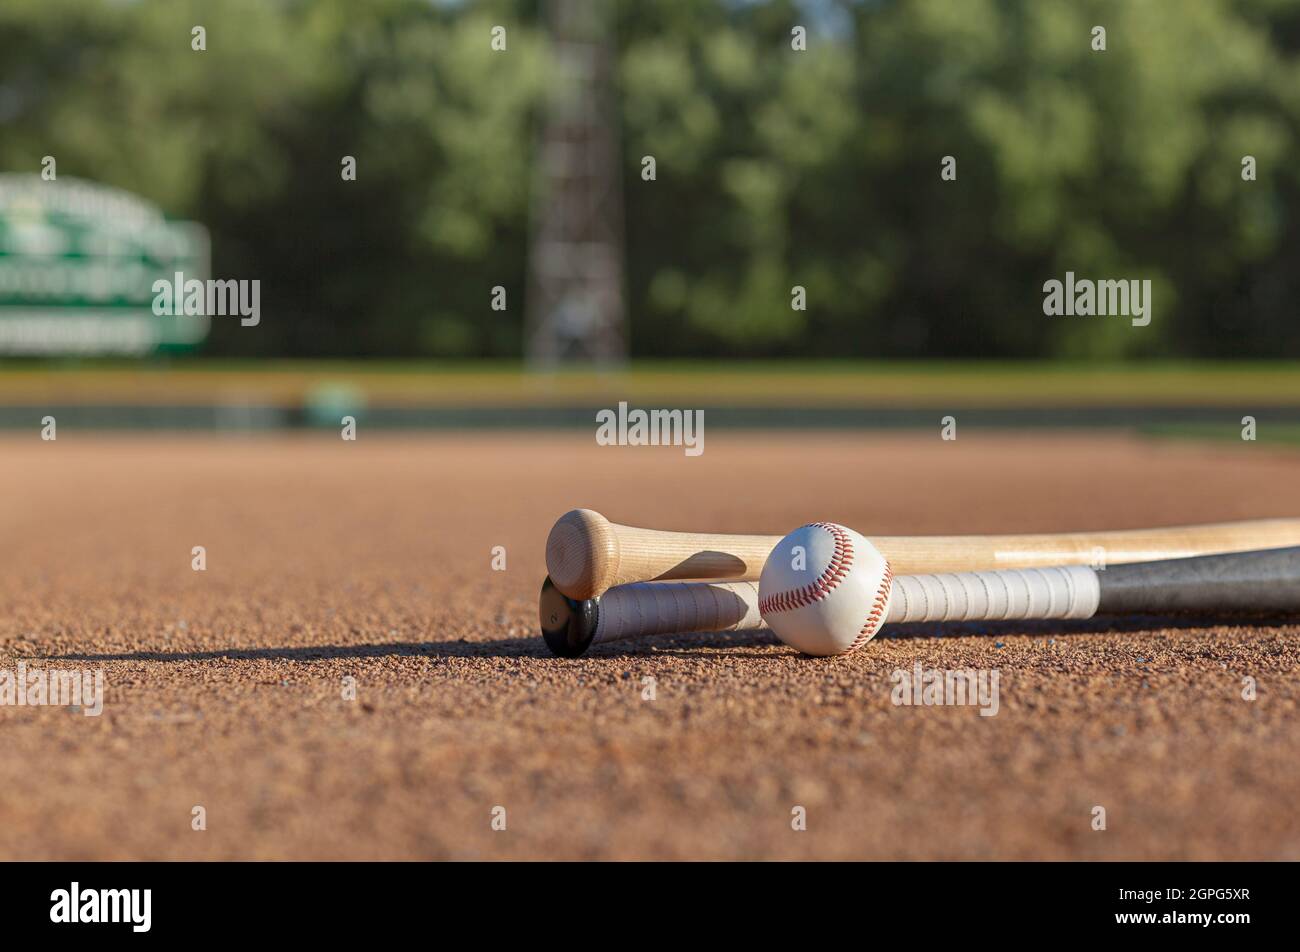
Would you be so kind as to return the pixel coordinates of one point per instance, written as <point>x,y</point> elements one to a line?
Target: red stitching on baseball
<point>877,616</point>
<point>838,567</point>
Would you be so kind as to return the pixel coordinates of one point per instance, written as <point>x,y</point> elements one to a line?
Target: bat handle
<point>1056,592</point>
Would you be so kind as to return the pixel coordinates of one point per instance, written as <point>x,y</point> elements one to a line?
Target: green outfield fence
<point>1175,421</point>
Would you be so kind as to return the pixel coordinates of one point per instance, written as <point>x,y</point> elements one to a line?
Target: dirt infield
<point>372,559</point>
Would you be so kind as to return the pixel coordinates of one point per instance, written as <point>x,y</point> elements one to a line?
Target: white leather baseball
<point>831,598</point>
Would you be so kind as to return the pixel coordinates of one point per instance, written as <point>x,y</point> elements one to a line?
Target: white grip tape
<point>659,608</point>
<point>1056,592</point>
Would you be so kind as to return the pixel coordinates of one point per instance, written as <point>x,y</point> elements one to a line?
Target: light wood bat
<point>586,554</point>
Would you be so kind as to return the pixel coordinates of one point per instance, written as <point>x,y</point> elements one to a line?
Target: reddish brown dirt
<point>372,560</point>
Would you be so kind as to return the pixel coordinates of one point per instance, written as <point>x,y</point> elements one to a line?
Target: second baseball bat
<point>1250,582</point>
<point>586,554</point>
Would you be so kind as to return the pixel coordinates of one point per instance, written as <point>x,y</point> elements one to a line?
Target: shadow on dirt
<point>687,645</point>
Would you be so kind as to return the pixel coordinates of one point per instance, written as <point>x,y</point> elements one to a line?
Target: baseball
<point>824,589</point>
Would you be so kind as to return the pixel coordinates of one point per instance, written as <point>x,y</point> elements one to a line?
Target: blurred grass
<point>940,384</point>
<point>1286,434</point>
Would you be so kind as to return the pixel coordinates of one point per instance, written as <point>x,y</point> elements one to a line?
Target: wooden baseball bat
<point>586,554</point>
<point>1259,582</point>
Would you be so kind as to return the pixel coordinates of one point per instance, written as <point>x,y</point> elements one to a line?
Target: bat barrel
<point>582,554</point>
<point>570,625</point>
<point>587,555</point>
<point>661,608</point>
<point>1267,580</point>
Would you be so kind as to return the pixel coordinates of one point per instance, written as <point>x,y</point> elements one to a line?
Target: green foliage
<point>776,168</point>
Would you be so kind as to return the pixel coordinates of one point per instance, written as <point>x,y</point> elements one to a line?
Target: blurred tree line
<point>775,168</point>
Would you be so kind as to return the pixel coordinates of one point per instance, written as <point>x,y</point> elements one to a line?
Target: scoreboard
<point>78,262</point>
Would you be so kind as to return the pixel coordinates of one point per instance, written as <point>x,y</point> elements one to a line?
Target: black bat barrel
<point>1262,581</point>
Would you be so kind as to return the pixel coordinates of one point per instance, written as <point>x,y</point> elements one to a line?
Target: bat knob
<point>568,625</point>
<point>582,554</point>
